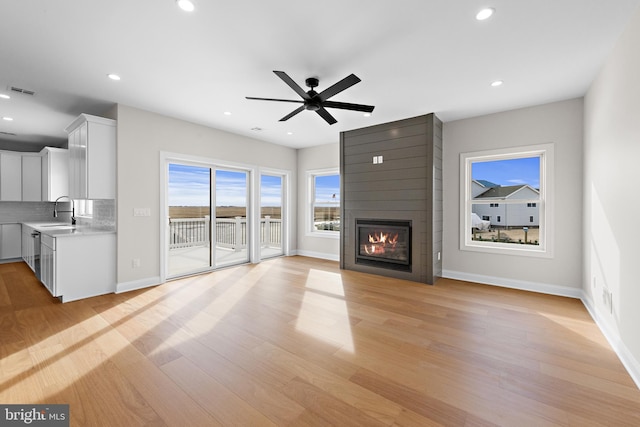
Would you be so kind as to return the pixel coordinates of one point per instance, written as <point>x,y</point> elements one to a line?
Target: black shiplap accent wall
<point>407,185</point>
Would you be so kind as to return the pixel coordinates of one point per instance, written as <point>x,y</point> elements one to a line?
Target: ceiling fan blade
<point>343,84</point>
<point>274,99</point>
<point>348,106</point>
<point>293,113</point>
<point>293,85</point>
<point>325,115</point>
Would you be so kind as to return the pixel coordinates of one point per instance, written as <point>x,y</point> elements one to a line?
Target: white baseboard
<point>137,284</point>
<point>543,288</point>
<point>631,364</point>
<point>321,255</point>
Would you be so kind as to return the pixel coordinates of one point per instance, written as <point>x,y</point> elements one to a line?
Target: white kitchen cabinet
<point>55,173</point>
<point>10,241</point>
<point>92,158</point>
<point>48,264</point>
<point>10,176</point>
<point>31,177</point>
<point>29,247</point>
<point>76,267</point>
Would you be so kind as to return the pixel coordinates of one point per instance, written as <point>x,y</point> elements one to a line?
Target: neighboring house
<point>502,214</point>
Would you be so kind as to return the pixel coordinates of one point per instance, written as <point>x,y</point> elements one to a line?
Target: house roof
<point>414,58</point>
<point>486,183</point>
<point>501,193</point>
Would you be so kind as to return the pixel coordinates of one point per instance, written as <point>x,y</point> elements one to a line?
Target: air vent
<point>7,133</point>
<point>22,91</point>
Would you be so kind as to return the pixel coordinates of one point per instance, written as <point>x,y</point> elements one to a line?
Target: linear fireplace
<point>384,243</point>
<point>391,184</point>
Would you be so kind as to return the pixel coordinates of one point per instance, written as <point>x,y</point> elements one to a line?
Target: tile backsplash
<point>104,213</point>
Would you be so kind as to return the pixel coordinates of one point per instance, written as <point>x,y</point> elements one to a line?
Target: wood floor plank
<point>219,401</point>
<point>372,404</point>
<point>296,341</point>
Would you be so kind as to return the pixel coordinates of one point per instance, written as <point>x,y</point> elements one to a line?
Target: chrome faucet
<point>73,209</point>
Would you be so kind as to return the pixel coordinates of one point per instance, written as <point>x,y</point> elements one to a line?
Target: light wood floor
<point>296,341</point>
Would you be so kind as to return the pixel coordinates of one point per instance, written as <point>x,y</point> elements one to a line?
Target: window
<point>515,185</point>
<point>84,208</point>
<point>324,214</point>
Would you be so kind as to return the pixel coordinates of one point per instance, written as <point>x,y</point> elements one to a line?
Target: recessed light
<point>227,113</point>
<point>485,13</point>
<point>186,5</point>
<point>4,96</point>
<point>8,119</point>
<point>289,133</point>
<point>497,83</point>
<point>113,77</point>
<point>367,114</point>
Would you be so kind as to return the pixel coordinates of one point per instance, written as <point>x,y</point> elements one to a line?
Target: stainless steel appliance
<point>36,252</point>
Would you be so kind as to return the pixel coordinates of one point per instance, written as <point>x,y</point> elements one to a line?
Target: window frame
<point>545,203</point>
<point>311,180</point>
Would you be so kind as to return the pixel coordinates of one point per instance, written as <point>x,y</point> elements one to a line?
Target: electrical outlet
<point>135,262</point>
<point>439,256</point>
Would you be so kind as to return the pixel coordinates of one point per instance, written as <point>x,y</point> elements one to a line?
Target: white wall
<point>612,200</point>
<point>560,123</point>
<point>141,136</point>
<point>320,157</point>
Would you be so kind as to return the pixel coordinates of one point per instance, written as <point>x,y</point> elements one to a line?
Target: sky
<point>328,189</point>
<point>189,186</point>
<point>509,172</point>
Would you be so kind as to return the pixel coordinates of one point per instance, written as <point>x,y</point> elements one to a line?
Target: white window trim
<point>545,204</point>
<point>310,229</point>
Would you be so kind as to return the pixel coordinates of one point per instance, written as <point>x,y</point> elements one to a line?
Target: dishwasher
<point>36,252</point>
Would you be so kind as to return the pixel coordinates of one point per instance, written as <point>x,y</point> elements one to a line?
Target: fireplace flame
<point>380,243</point>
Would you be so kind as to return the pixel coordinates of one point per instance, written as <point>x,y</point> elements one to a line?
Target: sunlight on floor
<point>584,328</point>
<point>324,313</point>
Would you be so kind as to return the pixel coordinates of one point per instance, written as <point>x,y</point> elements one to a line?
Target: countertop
<point>61,229</point>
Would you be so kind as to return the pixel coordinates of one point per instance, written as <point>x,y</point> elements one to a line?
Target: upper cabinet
<point>34,177</point>
<point>55,173</point>
<point>10,176</point>
<point>92,158</point>
<point>31,178</point>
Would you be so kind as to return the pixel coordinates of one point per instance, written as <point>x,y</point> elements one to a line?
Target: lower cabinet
<point>76,267</point>
<point>10,241</point>
<point>48,264</point>
<point>29,247</point>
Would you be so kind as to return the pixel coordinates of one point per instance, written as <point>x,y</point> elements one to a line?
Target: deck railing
<point>230,232</point>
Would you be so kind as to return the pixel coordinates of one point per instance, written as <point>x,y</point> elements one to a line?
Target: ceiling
<point>414,57</point>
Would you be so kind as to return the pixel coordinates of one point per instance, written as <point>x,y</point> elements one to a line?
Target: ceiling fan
<point>314,101</point>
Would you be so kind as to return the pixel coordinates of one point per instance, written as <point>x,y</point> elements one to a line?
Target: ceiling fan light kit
<point>318,102</point>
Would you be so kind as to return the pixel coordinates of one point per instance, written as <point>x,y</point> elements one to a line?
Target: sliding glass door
<point>271,215</point>
<point>232,231</point>
<point>189,207</point>
<point>208,218</point>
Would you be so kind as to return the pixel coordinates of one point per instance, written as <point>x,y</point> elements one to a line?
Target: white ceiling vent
<point>22,91</point>
<point>7,133</point>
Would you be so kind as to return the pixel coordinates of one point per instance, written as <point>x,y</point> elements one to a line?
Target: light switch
<point>379,159</point>
<point>141,211</point>
<point>375,160</point>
